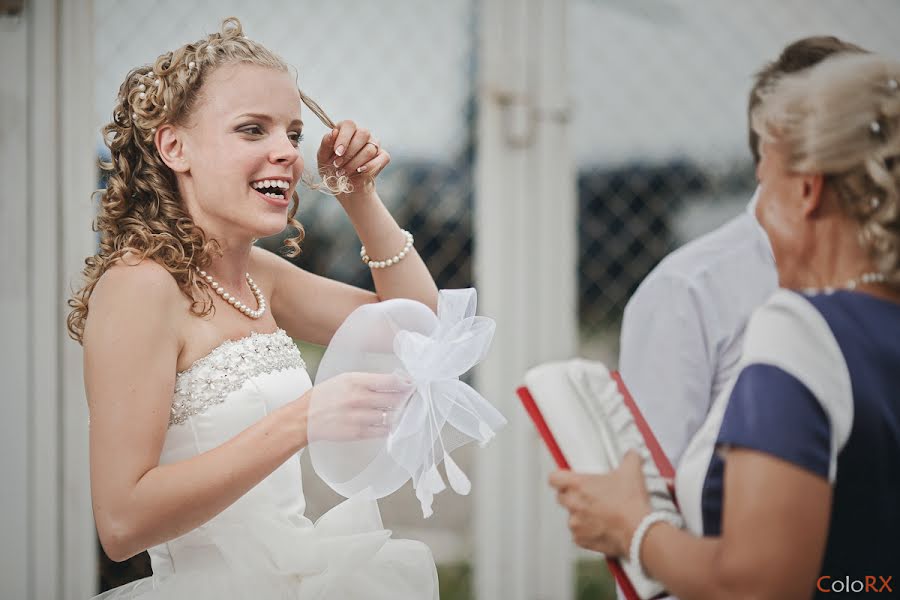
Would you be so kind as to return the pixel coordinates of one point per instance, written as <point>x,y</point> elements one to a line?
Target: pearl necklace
<point>851,284</point>
<point>237,304</point>
<point>873,277</point>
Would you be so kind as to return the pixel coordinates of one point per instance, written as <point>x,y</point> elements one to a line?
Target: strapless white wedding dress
<point>263,546</point>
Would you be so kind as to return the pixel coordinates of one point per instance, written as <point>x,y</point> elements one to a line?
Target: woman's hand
<point>604,510</point>
<point>353,152</point>
<point>354,406</point>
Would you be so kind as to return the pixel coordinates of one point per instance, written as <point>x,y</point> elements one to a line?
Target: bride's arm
<point>311,308</point>
<point>131,346</point>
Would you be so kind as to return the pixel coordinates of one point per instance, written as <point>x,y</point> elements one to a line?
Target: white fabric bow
<point>406,337</point>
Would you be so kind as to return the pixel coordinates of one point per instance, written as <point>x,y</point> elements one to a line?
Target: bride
<point>199,400</point>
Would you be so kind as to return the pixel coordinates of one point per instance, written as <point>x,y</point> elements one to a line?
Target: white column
<point>15,308</point>
<point>526,276</point>
<point>46,297</point>
<point>47,165</point>
<point>78,180</point>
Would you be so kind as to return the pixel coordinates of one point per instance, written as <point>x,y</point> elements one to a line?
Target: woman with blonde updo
<point>791,488</point>
<point>199,400</point>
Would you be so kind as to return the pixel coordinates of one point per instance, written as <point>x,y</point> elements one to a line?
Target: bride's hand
<point>354,406</point>
<point>354,152</point>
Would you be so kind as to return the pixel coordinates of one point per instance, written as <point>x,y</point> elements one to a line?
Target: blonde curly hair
<point>842,119</point>
<point>140,211</point>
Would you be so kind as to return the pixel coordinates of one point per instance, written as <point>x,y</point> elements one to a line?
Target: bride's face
<point>244,131</point>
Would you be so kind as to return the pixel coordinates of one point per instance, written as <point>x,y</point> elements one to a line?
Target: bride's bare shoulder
<point>134,287</point>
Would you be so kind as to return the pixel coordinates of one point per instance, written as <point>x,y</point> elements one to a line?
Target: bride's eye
<point>296,137</point>
<point>252,130</point>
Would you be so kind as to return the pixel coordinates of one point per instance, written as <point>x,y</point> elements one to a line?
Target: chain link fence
<point>660,126</point>
<point>659,90</point>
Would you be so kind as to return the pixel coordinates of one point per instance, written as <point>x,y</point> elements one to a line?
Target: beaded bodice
<point>262,545</point>
<point>224,370</point>
<point>217,398</point>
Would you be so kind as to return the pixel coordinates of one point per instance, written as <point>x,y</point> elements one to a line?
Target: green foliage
<point>456,581</point>
<point>593,581</point>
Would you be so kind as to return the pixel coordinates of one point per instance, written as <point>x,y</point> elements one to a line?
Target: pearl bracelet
<point>634,551</point>
<point>381,264</point>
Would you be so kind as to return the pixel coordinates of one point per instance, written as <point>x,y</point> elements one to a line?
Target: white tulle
<point>406,337</point>
<point>260,554</point>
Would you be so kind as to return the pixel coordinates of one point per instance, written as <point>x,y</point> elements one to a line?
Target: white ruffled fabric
<point>406,337</point>
<point>583,407</point>
<point>347,554</point>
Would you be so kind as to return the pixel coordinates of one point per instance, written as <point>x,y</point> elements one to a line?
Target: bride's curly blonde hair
<point>140,211</point>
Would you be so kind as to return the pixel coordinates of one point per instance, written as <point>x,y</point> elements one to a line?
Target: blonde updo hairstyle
<point>140,211</point>
<point>842,119</point>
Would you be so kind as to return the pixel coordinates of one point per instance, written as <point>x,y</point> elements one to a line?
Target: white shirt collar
<point>751,206</point>
<point>751,210</point>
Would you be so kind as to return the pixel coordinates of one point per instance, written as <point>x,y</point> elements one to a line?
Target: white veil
<point>405,337</point>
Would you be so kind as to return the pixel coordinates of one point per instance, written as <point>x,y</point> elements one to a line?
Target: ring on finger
<point>374,144</point>
<point>384,417</point>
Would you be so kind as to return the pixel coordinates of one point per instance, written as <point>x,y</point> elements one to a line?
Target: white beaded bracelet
<point>381,264</point>
<point>634,551</point>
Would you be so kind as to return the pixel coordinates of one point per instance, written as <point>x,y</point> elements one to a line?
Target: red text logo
<point>870,583</point>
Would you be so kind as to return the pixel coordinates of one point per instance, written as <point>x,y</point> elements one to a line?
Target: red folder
<point>662,461</point>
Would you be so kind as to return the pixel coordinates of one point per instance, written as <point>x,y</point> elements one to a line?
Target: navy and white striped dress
<point>819,387</point>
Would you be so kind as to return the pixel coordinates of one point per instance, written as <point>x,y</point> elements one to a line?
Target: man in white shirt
<point>683,328</point>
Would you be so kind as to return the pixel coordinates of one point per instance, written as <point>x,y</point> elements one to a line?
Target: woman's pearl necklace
<point>237,304</point>
<point>851,284</point>
<point>865,278</point>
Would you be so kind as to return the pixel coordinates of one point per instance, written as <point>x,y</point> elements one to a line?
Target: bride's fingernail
<point>337,163</point>
<point>361,169</point>
<point>339,150</point>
